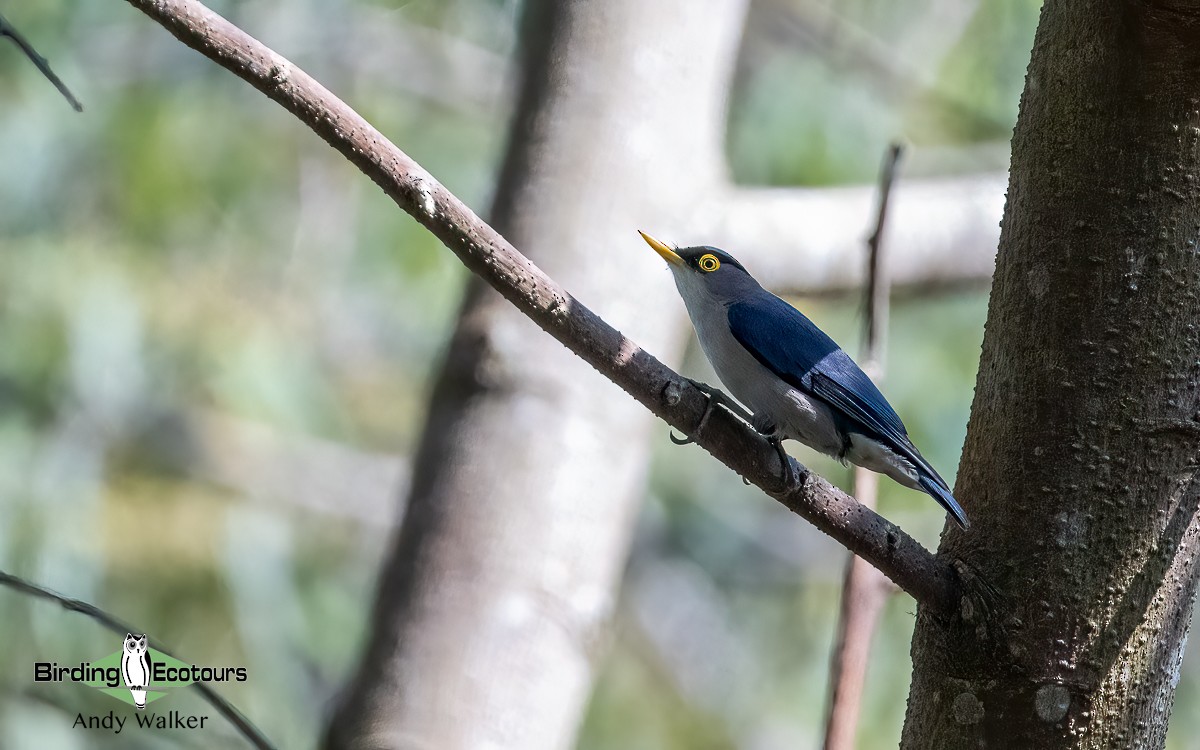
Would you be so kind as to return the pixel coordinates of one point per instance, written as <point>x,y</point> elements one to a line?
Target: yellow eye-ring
<point>708,263</point>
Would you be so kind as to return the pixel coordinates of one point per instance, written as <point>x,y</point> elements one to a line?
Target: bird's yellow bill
<point>667,253</point>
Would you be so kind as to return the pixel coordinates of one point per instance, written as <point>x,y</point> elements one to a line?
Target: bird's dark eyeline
<point>797,381</point>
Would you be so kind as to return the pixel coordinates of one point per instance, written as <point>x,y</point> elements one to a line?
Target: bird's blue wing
<point>788,344</point>
<point>888,430</point>
<point>791,346</point>
<point>779,336</point>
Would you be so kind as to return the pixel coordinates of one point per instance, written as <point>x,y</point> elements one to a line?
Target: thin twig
<point>865,590</point>
<point>879,282</point>
<point>484,252</point>
<point>223,707</point>
<point>7,29</point>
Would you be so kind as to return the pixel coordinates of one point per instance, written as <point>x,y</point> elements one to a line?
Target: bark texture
<point>1080,467</point>
<point>498,588</point>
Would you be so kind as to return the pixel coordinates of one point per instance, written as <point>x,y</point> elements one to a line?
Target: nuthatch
<point>795,380</point>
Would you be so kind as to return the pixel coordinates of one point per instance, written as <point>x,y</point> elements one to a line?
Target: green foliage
<point>981,67</point>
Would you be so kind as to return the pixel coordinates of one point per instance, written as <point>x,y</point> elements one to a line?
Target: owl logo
<point>135,667</point>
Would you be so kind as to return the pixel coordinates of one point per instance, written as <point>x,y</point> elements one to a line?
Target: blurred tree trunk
<point>1080,469</point>
<point>493,602</point>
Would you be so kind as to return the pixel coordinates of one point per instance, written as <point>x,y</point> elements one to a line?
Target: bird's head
<point>703,271</point>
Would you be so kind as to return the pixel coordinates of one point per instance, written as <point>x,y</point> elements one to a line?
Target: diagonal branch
<point>943,233</point>
<point>223,707</point>
<point>7,30</point>
<point>669,396</point>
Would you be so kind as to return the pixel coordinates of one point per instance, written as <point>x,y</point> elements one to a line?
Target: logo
<point>137,675</point>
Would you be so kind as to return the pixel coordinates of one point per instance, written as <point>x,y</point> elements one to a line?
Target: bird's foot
<point>785,462</point>
<point>715,397</point>
<point>723,399</point>
<point>774,436</point>
<point>763,425</point>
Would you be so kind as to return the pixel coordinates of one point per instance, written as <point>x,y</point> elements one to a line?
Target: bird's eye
<point>708,263</point>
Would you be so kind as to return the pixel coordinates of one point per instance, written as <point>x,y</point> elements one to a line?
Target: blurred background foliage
<point>216,337</point>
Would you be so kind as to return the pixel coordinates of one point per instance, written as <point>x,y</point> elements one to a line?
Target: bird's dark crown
<point>692,257</point>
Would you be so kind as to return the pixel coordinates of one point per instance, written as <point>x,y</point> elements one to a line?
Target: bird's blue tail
<point>938,491</point>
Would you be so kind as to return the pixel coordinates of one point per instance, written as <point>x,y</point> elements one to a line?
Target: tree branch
<point>944,232</point>
<point>7,30</point>
<point>223,707</point>
<point>665,393</point>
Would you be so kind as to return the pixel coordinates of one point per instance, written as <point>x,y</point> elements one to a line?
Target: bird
<point>795,380</point>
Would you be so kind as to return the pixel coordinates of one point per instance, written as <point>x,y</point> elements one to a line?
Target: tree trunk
<point>1080,467</point>
<point>494,598</point>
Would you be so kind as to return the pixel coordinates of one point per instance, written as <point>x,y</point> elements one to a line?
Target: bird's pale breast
<point>760,390</point>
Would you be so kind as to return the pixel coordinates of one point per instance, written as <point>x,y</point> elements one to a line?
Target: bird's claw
<point>763,426</point>
<point>785,462</point>
<point>771,432</point>
<point>716,394</point>
<point>715,397</point>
